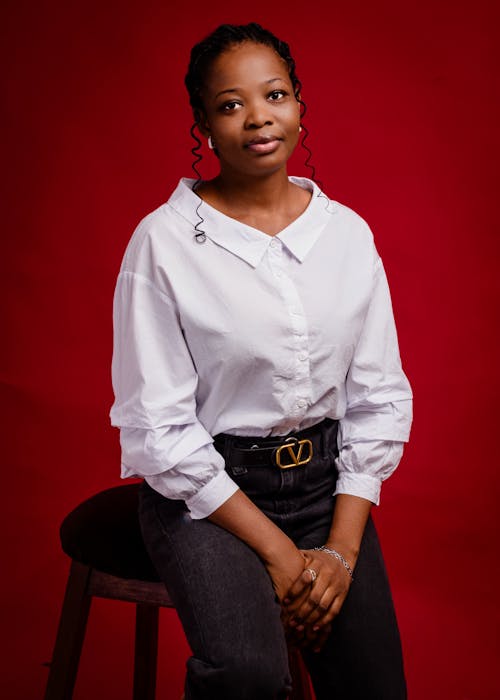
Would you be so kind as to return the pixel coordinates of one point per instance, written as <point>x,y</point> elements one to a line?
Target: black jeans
<point>230,614</point>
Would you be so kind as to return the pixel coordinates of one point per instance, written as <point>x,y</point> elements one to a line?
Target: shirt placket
<point>298,392</point>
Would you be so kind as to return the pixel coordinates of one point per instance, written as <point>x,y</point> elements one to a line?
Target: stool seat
<point>103,532</point>
<point>102,536</point>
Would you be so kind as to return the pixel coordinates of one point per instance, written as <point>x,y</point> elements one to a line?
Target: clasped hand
<point>310,605</point>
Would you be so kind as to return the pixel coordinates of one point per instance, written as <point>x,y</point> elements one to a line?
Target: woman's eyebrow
<point>236,89</point>
<point>223,92</point>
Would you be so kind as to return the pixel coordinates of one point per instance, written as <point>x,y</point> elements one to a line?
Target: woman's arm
<point>282,559</point>
<point>155,383</point>
<point>371,436</point>
<point>348,526</point>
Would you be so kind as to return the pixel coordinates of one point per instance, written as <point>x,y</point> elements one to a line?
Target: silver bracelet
<point>338,556</point>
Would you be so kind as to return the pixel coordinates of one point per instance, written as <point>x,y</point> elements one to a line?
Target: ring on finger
<point>313,575</point>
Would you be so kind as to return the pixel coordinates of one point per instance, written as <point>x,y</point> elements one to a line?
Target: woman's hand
<point>285,570</point>
<point>310,606</point>
<point>288,573</point>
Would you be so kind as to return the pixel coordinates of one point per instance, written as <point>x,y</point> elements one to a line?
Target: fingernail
<point>316,628</point>
<point>300,628</point>
<point>286,601</point>
<point>292,623</point>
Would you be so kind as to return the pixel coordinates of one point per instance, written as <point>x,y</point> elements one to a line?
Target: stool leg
<point>70,635</point>
<point>146,651</point>
<point>300,678</point>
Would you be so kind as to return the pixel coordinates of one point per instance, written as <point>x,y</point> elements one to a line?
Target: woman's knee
<point>256,677</point>
<point>245,677</point>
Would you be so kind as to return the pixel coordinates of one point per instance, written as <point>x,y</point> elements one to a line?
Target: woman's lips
<point>264,145</point>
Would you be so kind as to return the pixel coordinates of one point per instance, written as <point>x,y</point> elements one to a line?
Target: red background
<point>404,129</point>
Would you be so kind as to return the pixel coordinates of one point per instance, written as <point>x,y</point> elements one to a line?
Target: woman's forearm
<point>242,517</point>
<point>348,525</point>
<point>283,561</point>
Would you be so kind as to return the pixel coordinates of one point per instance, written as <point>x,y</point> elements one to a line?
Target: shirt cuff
<point>211,496</point>
<point>362,485</point>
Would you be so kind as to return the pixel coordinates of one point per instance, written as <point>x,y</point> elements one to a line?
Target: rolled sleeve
<point>364,466</point>
<point>146,452</point>
<point>203,489</point>
<point>211,496</point>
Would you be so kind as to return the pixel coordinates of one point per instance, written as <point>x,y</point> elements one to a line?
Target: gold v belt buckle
<point>291,454</point>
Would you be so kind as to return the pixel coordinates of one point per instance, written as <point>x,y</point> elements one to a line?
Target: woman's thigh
<point>362,657</point>
<point>225,600</point>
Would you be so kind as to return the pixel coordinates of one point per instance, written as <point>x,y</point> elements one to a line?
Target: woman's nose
<point>258,115</point>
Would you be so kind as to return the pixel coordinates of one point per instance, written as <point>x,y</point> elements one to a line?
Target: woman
<point>260,394</point>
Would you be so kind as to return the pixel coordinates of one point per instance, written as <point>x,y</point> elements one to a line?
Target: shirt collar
<point>249,243</point>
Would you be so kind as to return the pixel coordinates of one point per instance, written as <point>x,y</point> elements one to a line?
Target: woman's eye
<point>230,106</point>
<point>277,95</point>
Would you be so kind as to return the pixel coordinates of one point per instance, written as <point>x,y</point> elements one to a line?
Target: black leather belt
<point>285,452</point>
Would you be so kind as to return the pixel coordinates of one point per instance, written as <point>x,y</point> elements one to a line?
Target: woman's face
<point>250,110</point>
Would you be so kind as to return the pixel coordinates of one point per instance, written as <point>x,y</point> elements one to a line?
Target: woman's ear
<point>203,125</point>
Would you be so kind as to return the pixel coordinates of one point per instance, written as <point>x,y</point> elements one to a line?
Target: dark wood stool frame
<point>84,583</point>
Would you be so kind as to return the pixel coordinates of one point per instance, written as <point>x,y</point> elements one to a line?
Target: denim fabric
<point>226,603</point>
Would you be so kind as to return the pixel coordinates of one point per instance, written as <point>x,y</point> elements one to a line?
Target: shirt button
<point>278,274</point>
<point>301,403</point>
<point>303,356</point>
<point>275,243</point>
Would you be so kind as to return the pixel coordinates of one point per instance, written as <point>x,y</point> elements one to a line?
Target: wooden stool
<point>102,536</point>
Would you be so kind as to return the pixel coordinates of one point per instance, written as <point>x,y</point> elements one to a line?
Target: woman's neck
<point>256,192</point>
<point>235,192</point>
<point>269,203</point>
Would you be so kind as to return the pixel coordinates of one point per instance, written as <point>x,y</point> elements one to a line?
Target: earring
<point>300,128</point>
<point>210,143</point>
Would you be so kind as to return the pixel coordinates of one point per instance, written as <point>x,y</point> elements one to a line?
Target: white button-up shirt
<point>253,335</point>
